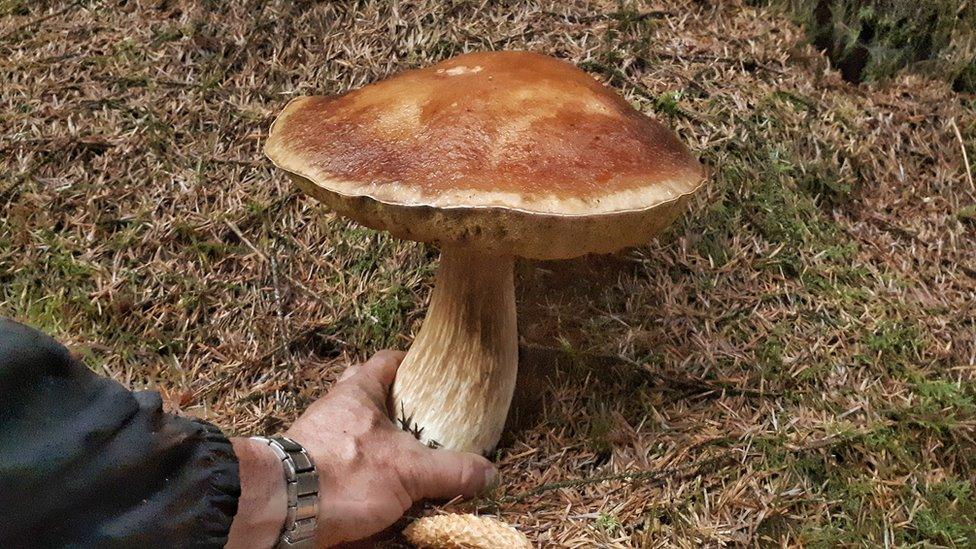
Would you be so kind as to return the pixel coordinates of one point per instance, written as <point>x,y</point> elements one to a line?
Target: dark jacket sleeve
<point>86,463</point>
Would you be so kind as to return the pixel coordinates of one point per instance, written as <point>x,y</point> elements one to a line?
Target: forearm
<point>129,475</point>
<point>105,465</point>
<point>263,503</point>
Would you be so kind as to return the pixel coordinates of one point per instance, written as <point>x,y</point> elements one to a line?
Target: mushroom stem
<point>454,387</point>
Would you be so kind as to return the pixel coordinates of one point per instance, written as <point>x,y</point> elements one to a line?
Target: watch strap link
<point>302,485</point>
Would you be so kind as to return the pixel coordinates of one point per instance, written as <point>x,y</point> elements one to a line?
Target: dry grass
<point>792,364</point>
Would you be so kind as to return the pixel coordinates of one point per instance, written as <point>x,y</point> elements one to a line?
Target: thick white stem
<point>456,382</point>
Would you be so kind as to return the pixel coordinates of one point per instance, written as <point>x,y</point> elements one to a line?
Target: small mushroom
<point>466,531</point>
<point>490,156</point>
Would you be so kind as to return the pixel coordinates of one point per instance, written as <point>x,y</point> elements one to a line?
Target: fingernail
<point>492,478</point>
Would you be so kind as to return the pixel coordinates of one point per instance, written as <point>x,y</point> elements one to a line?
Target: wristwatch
<point>302,482</point>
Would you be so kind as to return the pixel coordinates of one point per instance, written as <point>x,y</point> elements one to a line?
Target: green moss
<point>871,40</point>
<point>844,474</point>
<point>598,431</point>
<point>169,34</point>
<point>939,395</point>
<point>763,194</point>
<point>785,216</point>
<point>629,19</point>
<point>255,208</point>
<point>794,99</point>
<point>718,220</point>
<point>607,523</point>
<point>837,276</point>
<point>668,104</point>
<point>46,313</point>
<point>385,315</point>
<point>894,344</point>
<point>948,517</point>
<point>770,352</point>
<point>365,250</point>
<point>126,237</point>
<point>14,7</point>
<point>967,213</point>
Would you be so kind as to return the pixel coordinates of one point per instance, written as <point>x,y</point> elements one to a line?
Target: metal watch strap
<point>303,492</point>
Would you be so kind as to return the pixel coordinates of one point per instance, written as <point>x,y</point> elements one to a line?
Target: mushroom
<point>465,531</point>
<point>489,156</point>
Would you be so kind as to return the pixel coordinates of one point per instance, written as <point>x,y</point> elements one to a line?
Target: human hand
<point>370,471</point>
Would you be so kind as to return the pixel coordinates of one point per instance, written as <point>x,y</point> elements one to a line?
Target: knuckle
<point>467,472</point>
<point>373,418</point>
<point>389,355</point>
<point>383,511</point>
<point>403,498</point>
<point>363,421</point>
<point>348,449</point>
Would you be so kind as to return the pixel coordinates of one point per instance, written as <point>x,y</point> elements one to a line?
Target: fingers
<point>376,374</point>
<point>445,474</point>
<point>382,366</point>
<point>348,372</point>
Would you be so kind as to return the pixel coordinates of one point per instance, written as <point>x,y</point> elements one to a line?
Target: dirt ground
<point>793,363</point>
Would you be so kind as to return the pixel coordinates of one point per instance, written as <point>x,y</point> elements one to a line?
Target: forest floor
<point>792,363</point>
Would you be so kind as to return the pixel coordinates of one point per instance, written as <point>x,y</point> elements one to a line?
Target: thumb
<point>445,474</point>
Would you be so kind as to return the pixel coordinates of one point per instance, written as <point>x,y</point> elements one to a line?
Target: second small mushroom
<point>490,156</point>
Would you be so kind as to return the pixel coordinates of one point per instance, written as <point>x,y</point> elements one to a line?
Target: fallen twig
<point>674,473</point>
<point>965,157</point>
<point>695,384</point>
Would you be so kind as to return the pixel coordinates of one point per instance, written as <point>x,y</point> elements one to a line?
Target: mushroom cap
<point>508,151</point>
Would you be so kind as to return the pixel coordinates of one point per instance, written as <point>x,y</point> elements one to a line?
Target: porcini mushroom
<point>490,156</point>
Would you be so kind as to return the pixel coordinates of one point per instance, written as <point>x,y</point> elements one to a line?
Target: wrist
<point>263,504</point>
<point>326,528</point>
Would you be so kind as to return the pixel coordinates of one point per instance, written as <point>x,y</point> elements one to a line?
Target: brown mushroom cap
<point>508,151</point>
